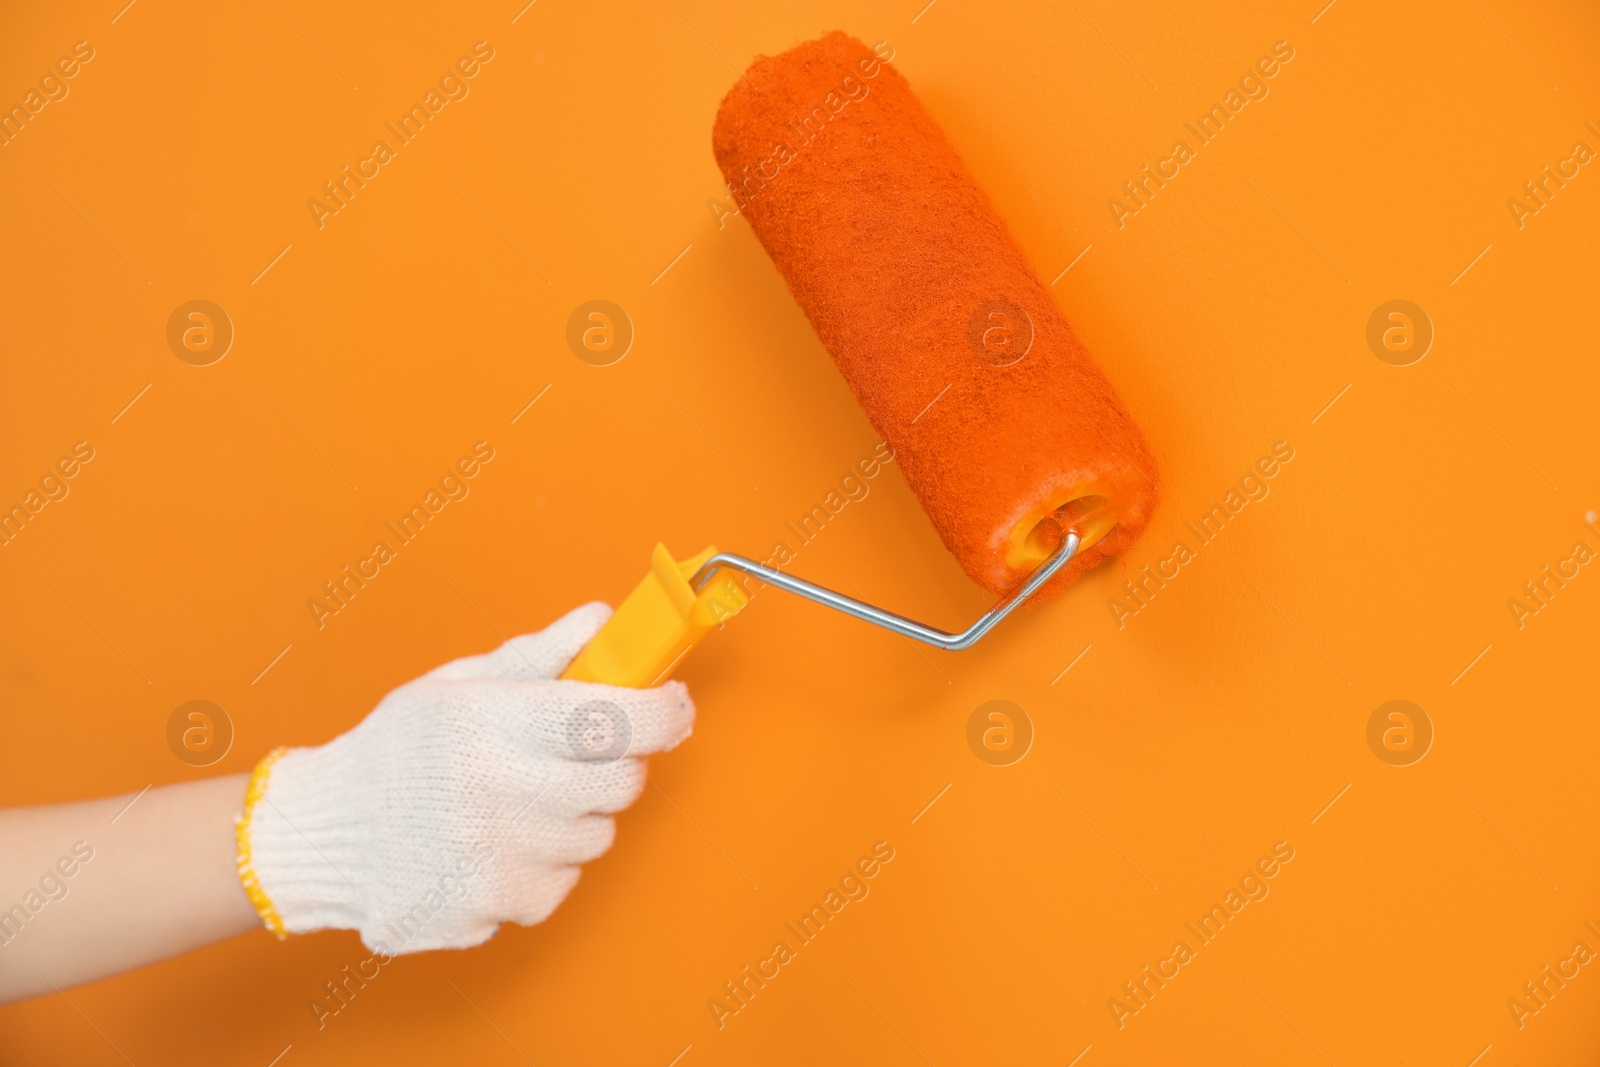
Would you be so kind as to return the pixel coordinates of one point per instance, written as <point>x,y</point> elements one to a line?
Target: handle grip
<point>659,622</point>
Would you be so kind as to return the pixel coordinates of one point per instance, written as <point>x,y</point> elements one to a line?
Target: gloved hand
<point>467,798</point>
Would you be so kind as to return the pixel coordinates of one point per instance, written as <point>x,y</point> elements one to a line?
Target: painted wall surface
<point>1222,841</point>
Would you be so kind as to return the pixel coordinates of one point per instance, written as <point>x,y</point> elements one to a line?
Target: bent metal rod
<point>888,619</point>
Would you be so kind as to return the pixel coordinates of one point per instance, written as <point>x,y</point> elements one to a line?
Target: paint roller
<point>1012,439</point>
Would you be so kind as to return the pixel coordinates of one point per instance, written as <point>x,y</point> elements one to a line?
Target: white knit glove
<point>467,798</point>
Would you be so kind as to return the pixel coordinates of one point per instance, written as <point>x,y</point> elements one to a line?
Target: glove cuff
<point>298,860</point>
<point>245,847</point>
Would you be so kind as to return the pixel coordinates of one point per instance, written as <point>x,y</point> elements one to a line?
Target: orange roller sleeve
<point>1001,422</point>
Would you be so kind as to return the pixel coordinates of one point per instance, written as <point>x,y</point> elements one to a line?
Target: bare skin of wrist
<point>160,880</point>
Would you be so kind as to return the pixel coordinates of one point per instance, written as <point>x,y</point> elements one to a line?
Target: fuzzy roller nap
<point>1013,440</point>
<point>999,418</point>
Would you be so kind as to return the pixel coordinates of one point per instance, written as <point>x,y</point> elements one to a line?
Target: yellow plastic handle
<point>662,619</point>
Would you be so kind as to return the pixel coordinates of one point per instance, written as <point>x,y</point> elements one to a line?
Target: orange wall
<point>1176,752</point>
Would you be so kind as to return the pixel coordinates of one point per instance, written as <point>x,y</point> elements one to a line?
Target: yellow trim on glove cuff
<point>254,793</point>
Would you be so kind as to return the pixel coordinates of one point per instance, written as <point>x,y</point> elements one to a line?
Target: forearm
<point>159,880</point>
<point>469,797</point>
